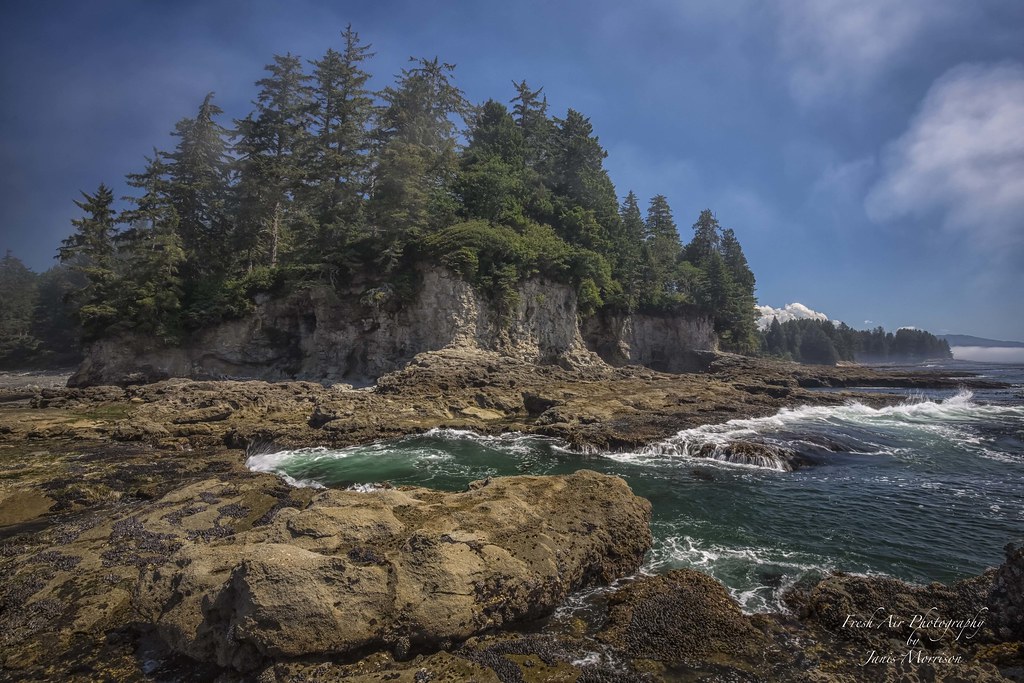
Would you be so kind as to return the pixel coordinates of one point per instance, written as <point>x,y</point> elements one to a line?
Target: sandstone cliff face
<point>357,336</point>
<point>667,343</point>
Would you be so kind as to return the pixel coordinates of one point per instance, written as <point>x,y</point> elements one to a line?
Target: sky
<point>869,154</point>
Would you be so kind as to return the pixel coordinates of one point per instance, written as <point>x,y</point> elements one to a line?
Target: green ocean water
<point>928,490</point>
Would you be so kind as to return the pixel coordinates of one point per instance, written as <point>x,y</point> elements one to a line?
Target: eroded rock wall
<point>357,336</point>
<point>682,341</point>
<point>321,334</point>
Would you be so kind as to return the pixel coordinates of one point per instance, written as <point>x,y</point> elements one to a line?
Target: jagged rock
<point>682,617</point>
<point>845,603</point>
<point>443,567</point>
<point>755,453</point>
<point>882,629</point>
<point>1006,599</point>
<point>536,405</point>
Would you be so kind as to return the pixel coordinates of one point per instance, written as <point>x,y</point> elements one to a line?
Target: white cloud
<point>984,354</point>
<point>962,157</point>
<point>844,182</point>
<point>840,45</point>
<point>793,311</point>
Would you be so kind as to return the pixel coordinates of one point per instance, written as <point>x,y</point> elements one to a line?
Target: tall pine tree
<point>273,147</point>
<point>661,250</point>
<point>629,248</point>
<point>490,183</point>
<point>89,251</point>
<point>198,173</point>
<point>706,239</point>
<point>340,159</point>
<point>151,252</point>
<point>587,207</point>
<point>417,138</point>
<point>740,312</point>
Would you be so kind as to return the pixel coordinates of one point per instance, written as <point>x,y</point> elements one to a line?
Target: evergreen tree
<point>586,204</point>
<point>816,347</point>
<point>490,182</point>
<point>629,242</point>
<point>741,312</point>
<point>531,116</point>
<point>153,209</point>
<point>660,224</point>
<point>152,255</point>
<point>578,167</point>
<point>706,239</point>
<point>198,174</point>
<point>17,297</point>
<point>274,144</point>
<point>661,251</point>
<point>530,112</point>
<point>90,251</point>
<point>715,290</point>
<point>343,113</point>
<point>775,339</point>
<point>416,159</point>
<point>53,320</point>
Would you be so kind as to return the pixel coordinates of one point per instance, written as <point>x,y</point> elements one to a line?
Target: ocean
<point>927,490</point>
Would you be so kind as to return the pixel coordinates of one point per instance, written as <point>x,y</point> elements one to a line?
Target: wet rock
<point>1006,598</point>
<point>682,618</point>
<point>321,416</point>
<point>21,506</point>
<point>845,604</point>
<point>769,456</point>
<point>536,404</point>
<point>770,389</point>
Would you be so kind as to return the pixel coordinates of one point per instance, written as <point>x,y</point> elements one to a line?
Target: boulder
<point>683,617</point>
<point>402,569</point>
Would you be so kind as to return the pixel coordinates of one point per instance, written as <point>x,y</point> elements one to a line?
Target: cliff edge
<point>356,335</point>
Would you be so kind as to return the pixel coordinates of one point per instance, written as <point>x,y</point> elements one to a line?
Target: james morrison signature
<point>929,625</point>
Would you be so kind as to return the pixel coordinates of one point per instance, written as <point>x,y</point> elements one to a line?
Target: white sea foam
<point>517,443</point>
<point>942,419</point>
<point>747,561</point>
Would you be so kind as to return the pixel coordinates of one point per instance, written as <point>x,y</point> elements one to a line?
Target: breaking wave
<point>796,436</point>
<point>925,490</point>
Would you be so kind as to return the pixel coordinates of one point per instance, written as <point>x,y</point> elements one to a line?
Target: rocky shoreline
<point>134,544</point>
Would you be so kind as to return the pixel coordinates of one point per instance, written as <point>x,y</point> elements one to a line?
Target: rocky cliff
<point>668,342</point>
<point>356,336</point>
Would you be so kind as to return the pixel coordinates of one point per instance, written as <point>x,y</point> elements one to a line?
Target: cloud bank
<point>834,46</point>
<point>962,158</point>
<point>793,311</point>
<point>986,354</point>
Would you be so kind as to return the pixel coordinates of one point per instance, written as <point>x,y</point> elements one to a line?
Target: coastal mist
<point>927,490</point>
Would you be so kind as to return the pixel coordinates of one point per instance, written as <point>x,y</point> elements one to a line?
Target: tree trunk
<point>275,234</point>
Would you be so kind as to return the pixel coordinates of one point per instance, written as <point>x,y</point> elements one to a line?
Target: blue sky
<point>869,155</point>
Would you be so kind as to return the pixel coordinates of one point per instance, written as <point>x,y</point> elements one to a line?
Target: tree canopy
<point>824,342</point>
<point>328,181</point>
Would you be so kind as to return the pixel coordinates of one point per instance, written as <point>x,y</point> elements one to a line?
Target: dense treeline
<point>824,342</point>
<point>328,181</point>
<point>36,328</point>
